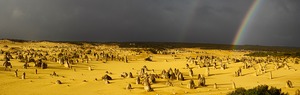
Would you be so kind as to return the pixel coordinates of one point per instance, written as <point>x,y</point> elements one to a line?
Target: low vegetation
<point>275,54</point>
<point>259,90</point>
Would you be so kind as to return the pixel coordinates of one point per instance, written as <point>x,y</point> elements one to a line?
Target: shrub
<point>238,91</point>
<point>259,90</point>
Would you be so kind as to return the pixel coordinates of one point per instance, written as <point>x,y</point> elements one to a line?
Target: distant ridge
<point>175,45</point>
<point>16,40</point>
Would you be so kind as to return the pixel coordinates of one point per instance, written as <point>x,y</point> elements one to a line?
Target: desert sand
<point>79,80</point>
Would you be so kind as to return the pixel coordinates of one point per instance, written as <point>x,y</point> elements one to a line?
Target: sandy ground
<point>73,81</point>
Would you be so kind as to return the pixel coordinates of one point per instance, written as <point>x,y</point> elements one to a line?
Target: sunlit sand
<point>85,76</point>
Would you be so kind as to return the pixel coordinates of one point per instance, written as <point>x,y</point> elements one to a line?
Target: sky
<point>273,23</point>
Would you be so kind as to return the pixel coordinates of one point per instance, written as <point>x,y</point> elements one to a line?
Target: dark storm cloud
<point>205,21</point>
<point>217,21</point>
<point>276,23</point>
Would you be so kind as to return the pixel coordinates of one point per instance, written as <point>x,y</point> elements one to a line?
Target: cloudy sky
<point>275,22</point>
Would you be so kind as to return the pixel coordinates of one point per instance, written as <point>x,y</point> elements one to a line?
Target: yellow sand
<point>44,84</point>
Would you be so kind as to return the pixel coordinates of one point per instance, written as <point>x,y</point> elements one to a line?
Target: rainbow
<point>246,22</point>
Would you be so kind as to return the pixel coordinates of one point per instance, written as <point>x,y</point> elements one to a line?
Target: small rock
<point>90,68</point>
<point>54,73</point>
<point>58,82</point>
<point>174,93</point>
<point>107,82</point>
<point>128,86</point>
